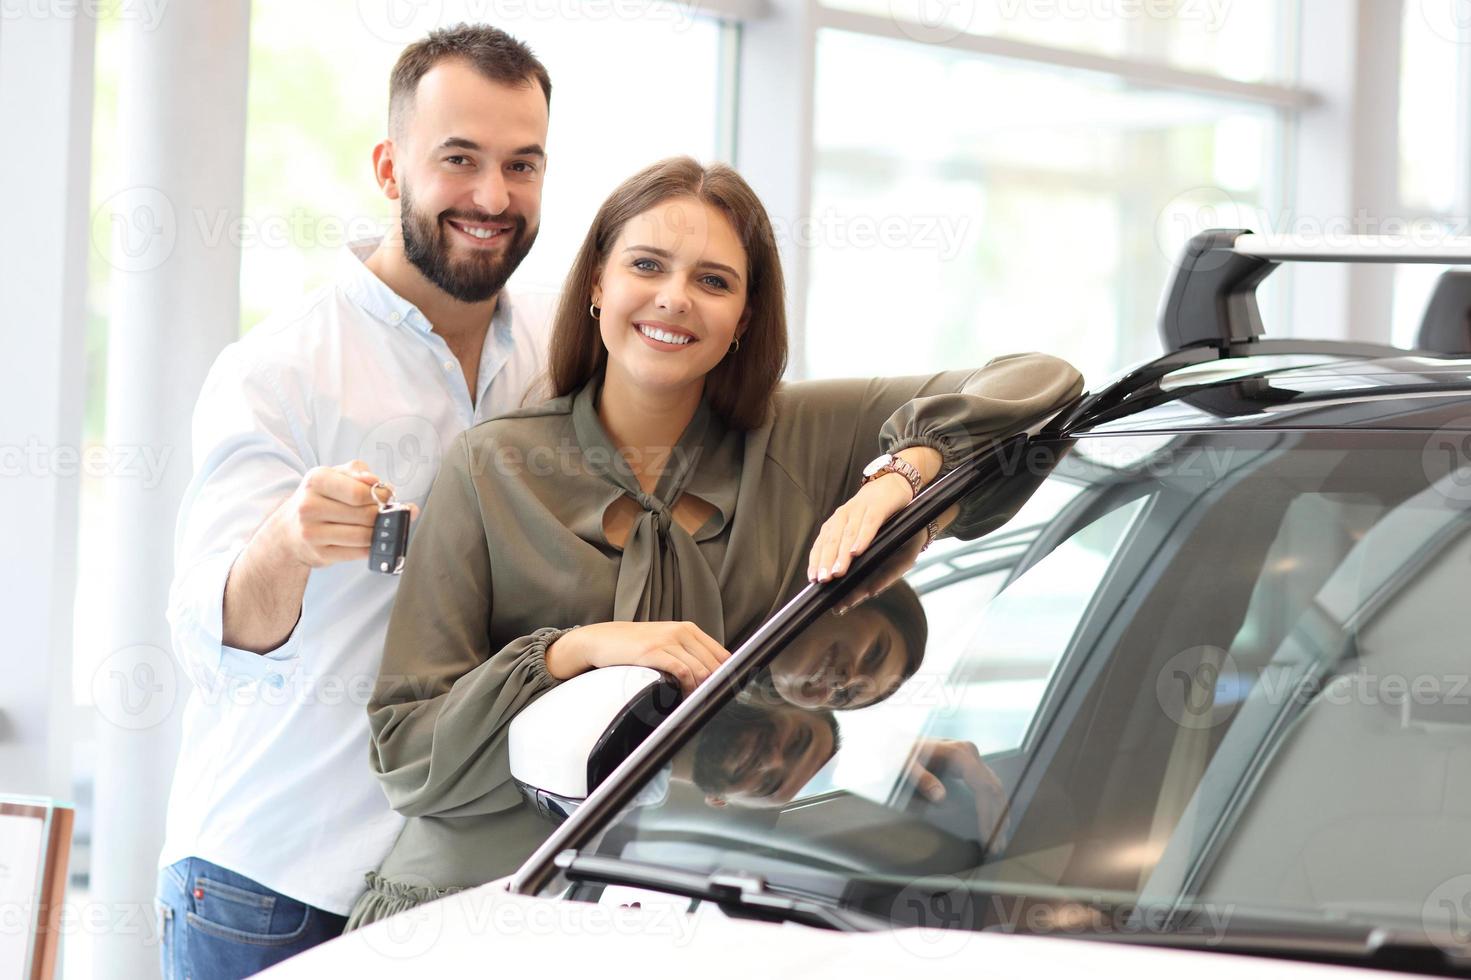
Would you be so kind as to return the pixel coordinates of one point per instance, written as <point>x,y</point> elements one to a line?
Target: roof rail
<point>1210,299</point>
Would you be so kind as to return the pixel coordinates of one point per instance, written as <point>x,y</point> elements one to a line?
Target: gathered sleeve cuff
<point>1010,395</point>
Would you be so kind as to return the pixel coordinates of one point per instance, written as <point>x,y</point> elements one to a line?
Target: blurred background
<point>950,179</point>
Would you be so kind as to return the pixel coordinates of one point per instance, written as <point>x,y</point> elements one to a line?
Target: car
<point>1188,691</point>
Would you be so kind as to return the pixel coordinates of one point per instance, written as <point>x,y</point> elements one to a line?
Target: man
<point>275,815</point>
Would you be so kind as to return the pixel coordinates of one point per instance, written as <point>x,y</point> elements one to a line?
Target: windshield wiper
<point>738,895</point>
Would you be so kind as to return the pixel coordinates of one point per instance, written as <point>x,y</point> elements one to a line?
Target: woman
<point>664,503</point>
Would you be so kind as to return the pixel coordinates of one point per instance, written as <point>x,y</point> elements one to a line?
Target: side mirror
<point>570,739</point>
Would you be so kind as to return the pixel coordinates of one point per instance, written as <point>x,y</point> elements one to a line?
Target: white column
<point>1347,166</point>
<point>773,146</point>
<point>174,303</point>
<point>46,103</point>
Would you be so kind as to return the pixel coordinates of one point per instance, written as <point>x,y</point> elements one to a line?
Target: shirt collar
<point>365,289</point>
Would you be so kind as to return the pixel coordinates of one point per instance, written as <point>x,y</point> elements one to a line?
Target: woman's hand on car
<point>681,649</point>
<point>852,527</point>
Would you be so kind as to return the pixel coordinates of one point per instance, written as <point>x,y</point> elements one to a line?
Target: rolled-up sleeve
<point>250,451</point>
<point>446,693</point>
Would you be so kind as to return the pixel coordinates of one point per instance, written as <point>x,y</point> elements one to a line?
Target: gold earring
<point>595,310</point>
<point>735,346</point>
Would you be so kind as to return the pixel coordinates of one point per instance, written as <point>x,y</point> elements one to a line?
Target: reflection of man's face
<point>769,761</point>
<point>469,167</point>
<point>841,661</point>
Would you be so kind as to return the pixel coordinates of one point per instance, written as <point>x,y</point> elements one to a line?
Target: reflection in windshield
<point>855,658</point>
<point>760,756</point>
<point>1231,673</point>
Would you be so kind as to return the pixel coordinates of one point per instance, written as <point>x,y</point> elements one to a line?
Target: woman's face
<point>841,661</point>
<point>673,295</point>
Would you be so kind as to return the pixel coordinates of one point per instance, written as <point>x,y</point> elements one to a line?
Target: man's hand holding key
<point>330,517</point>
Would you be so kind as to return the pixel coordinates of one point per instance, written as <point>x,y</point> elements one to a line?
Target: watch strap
<point>903,468</point>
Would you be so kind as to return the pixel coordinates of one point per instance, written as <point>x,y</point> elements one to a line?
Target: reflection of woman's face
<point>767,764</point>
<point>841,661</point>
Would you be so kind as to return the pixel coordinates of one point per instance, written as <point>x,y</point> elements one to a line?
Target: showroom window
<point>1434,195</point>
<point>966,204</point>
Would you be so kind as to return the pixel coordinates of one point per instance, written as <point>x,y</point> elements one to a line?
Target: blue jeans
<point>215,923</point>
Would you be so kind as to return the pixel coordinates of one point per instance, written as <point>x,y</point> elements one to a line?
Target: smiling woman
<point>691,501</point>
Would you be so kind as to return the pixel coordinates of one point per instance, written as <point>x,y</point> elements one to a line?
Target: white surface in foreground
<point>488,930</point>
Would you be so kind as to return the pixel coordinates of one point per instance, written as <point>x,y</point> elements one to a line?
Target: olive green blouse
<point>510,551</point>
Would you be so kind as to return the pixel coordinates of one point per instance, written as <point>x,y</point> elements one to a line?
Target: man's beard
<point>474,278</point>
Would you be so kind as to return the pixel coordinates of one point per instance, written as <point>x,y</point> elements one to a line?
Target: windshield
<point>1209,673</point>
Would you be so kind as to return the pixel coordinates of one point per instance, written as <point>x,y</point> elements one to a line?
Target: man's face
<point>468,165</point>
<point>767,764</point>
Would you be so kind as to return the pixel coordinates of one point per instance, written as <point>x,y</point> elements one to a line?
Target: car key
<point>390,533</point>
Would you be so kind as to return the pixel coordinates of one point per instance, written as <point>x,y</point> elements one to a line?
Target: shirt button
<point>395,316</point>
<point>275,680</point>
<point>449,365</point>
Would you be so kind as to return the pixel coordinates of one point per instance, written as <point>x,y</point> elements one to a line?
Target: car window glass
<point>989,656</point>
<point>1226,672</point>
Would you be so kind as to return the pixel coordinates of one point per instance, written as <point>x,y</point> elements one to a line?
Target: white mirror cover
<point>550,740</point>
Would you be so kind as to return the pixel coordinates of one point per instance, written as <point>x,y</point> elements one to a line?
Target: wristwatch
<point>889,463</point>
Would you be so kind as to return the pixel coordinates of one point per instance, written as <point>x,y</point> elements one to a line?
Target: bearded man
<point>277,619</point>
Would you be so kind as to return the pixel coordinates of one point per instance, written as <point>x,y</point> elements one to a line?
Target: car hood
<point>488,929</point>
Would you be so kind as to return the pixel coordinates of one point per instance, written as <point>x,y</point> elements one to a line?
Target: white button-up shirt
<point>273,779</point>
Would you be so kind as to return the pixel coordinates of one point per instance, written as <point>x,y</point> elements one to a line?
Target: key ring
<point>383,505</point>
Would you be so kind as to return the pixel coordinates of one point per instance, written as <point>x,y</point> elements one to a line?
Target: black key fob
<point>390,541</point>
<point>390,535</point>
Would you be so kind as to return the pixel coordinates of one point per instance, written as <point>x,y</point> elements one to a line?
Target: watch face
<point>878,464</point>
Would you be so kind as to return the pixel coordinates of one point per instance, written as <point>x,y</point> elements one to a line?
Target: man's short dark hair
<point>492,52</point>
